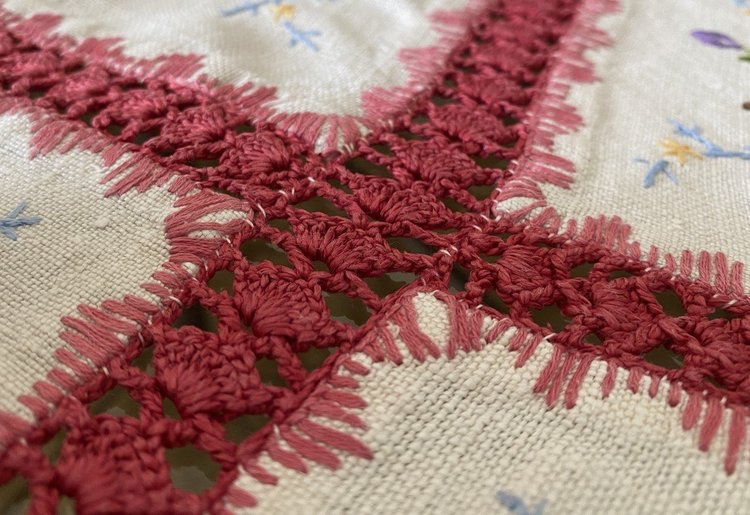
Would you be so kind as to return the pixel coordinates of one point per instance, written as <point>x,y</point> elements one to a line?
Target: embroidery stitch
<point>711,149</point>
<point>678,150</point>
<point>660,166</point>
<point>12,221</point>
<point>280,11</point>
<point>717,39</point>
<point>681,152</point>
<point>517,506</point>
<point>257,160</point>
<point>720,40</point>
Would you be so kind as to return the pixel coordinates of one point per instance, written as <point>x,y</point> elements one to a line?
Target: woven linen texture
<point>413,202</point>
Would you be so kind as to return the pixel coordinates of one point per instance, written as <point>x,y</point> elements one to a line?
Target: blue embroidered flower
<point>517,506</point>
<point>281,11</point>
<point>13,221</point>
<point>716,39</point>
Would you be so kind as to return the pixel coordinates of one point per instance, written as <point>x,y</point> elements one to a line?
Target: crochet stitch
<point>421,201</point>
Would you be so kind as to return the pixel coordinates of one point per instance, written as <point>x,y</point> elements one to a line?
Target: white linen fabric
<point>352,45</point>
<point>656,74</point>
<point>468,436</point>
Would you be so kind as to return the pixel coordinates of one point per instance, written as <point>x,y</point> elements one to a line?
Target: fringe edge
<point>560,381</point>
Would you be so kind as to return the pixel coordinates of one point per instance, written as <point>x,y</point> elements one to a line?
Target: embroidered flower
<point>716,39</point>
<point>285,11</point>
<point>675,149</point>
<point>279,11</point>
<point>12,221</point>
<point>516,505</point>
<point>681,152</point>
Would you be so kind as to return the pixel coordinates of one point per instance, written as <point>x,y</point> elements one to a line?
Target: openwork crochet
<point>411,207</point>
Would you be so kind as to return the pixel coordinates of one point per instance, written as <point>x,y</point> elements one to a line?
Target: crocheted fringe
<point>327,132</point>
<point>551,115</point>
<point>40,28</point>
<point>422,64</point>
<point>714,269</point>
<point>560,381</point>
<point>380,105</point>
<point>136,169</point>
<point>97,334</point>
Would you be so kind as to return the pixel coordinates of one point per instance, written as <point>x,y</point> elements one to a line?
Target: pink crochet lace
<point>412,203</point>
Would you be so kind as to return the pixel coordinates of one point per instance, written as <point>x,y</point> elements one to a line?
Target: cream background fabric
<point>448,435</point>
<point>654,72</point>
<point>358,45</point>
<point>86,249</point>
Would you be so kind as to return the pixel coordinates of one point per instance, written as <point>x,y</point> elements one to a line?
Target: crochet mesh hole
<point>241,428</point>
<point>363,166</point>
<point>320,266</point>
<point>268,371</point>
<point>192,469</point>
<point>490,258</point>
<point>340,186</point>
<point>203,163</point>
<point>349,310</point>
<point>66,506</point>
<point>280,224</point>
<point>717,383</point>
<point>244,127</point>
<point>54,444</point>
<point>14,496</point>
<point>322,205</point>
<point>592,339</point>
<point>257,251</point>
<point>227,192</point>
<point>458,278</point>
<point>116,402</point>
<point>144,361</point>
<point>481,192</point>
<point>510,120</point>
<point>222,280</point>
<point>453,204</point>
<point>670,303</point>
<point>441,101</point>
<point>197,316</point>
<point>491,161</point>
<point>551,317</point>
<point>313,358</point>
<point>492,299</point>
<point>169,409</point>
<point>383,148</point>
<point>410,245</point>
<point>720,313</point>
<point>410,136</point>
<point>114,129</point>
<point>618,274</point>
<point>664,357</point>
<point>390,282</point>
<point>37,92</point>
<point>143,137</point>
<point>582,270</point>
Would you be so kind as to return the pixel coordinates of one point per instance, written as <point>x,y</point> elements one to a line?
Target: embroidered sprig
<point>517,506</point>
<point>721,40</point>
<point>280,11</point>
<point>660,166</point>
<point>12,221</point>
<point>710,149</point>
<point>682,153</point>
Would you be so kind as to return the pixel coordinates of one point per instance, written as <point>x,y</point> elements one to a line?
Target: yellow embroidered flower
<point>678,150</point>
<point>283,11</point>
